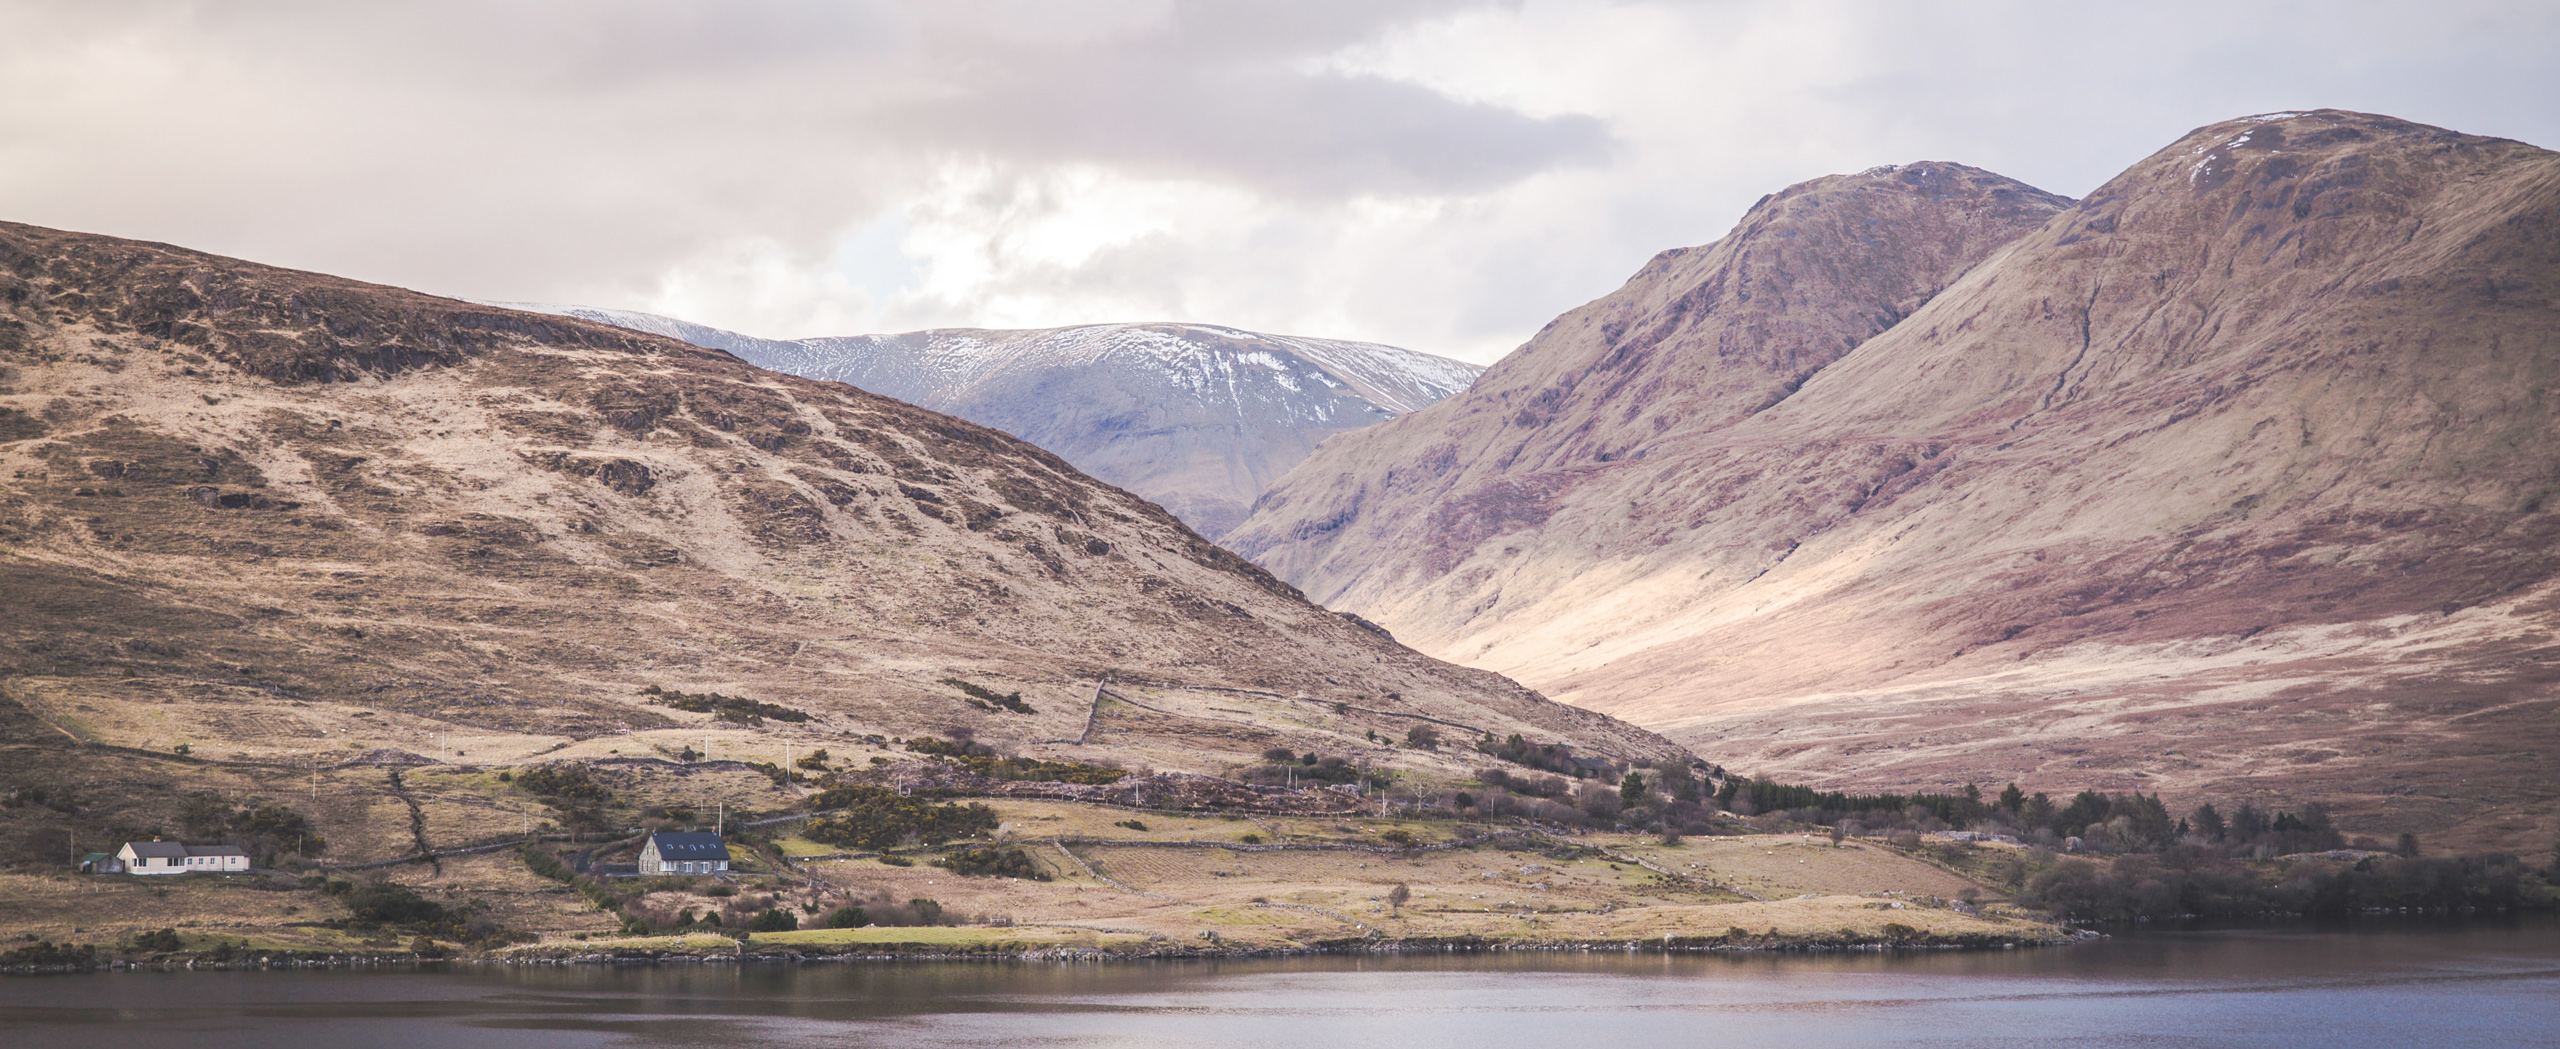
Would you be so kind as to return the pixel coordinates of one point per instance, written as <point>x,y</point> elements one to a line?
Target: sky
<point>1443,175</point>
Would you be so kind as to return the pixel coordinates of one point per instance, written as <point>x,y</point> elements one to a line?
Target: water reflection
<point>2384,983</point>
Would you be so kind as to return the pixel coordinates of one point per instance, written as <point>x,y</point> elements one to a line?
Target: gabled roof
<point>170,850</point>
<point>689,846</point>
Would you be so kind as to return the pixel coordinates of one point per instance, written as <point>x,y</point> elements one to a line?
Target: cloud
<point>1445,174</point>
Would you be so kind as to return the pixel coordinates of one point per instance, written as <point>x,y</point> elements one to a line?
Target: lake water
<point>2437,986</point>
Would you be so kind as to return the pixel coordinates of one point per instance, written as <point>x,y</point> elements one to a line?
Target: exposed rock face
<point>1196,417</point>
<point>2233,477</point>
<point>269,511</point>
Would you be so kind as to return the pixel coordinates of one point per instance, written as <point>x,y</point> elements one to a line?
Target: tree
<point>1675,779</point>
<point>1396,896</point>
<point>2011,798</point>
<point>2247,823</point>
<point>2036,811</point>
<point>2208,822</point>
<point>2408,844</point>
<point>1632,792</point>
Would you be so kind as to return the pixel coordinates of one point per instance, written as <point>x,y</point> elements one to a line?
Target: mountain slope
<point>2231,478</point>
<point>1197,417</point>
<point>270,513</point>
<point>1699,339</point>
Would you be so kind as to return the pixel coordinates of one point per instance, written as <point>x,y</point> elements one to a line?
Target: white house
<point>169,857</point>
<point>683,854</point>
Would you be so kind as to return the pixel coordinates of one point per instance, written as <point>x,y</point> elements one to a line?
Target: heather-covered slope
<point>1197,417</point>
<point>288,517</point>
<point>2235,477</point>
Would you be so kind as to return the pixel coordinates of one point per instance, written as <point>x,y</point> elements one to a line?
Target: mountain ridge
<point>283,516</point>
<point>2246,447</point>
<point>1198,417</point>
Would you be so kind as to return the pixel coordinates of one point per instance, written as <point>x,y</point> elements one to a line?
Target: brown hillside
<point>281,516</point>
<point>1698,339</point>
<point>2233,479</point>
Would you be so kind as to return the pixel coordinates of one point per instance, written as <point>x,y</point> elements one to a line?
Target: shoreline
<point>928,952</point>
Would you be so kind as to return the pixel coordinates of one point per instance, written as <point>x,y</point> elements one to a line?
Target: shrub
<point>1550,757</point>
<point>989,861</point>
<point>158,941</point>
<point>880,818</point>
<point>46,954</point>
<point>725,708</point>
<point>424,947</point>
<point>563,781</point>
<point>774,919</point>
<point>721,892</point>
<point>896,861</point>
<point>1250,839</point>
<point>985,698</point>
<point>544,864</point>
<point>845,918</point>
<point>1132,824</point>
<point>983,760</point>
<point>387,903</point>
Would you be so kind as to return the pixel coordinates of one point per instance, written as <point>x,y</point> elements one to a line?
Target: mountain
<point>276,516</point>
<point>1197,417</point>
<point>2233,479</point>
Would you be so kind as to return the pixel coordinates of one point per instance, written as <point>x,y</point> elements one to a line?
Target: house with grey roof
<point>670,853</point>
<point>169,857</point>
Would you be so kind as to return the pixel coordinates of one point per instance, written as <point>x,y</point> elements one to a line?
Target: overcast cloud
<point>1439,174</point>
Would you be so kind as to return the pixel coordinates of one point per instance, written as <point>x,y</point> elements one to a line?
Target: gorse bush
<point>158,941</point>
<point>725,708</point>
<point>1548,757</point>
<point>386,903</point>
<point>990,861</point>
<point>880,818</point>
<point>983,760</point>
<point>564,781</point>
<point>985,698</point>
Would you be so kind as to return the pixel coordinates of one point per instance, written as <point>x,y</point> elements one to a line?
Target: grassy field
<point>1104,878</point>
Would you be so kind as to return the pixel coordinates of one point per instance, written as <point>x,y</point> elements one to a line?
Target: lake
<point>2379,983</point>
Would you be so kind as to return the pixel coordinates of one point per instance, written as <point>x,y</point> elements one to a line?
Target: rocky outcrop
<point>2233,477</point>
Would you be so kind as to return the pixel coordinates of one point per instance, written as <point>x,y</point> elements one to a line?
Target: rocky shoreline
<point>579,954</point>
